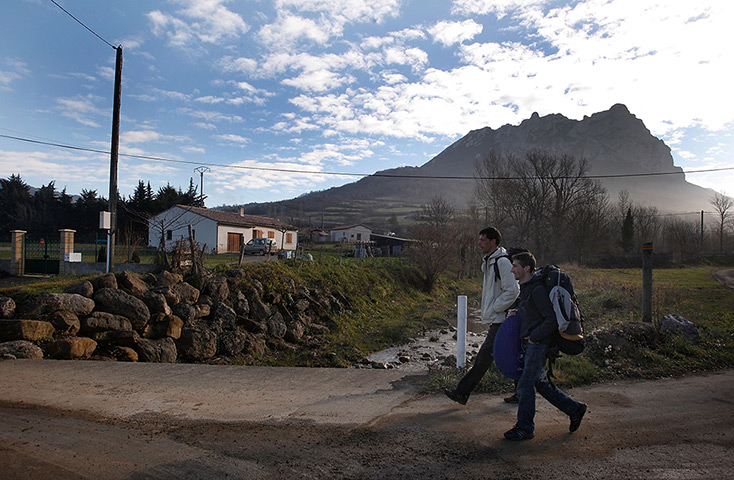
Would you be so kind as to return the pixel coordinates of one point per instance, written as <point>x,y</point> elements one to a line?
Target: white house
<point>351,233</point>
<point>220,231</point>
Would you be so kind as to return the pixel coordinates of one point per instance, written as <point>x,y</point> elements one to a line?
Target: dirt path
<point>666,429</point>
<point>725,276</point>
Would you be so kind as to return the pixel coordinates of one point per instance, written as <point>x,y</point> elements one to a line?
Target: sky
<point>281,98</point>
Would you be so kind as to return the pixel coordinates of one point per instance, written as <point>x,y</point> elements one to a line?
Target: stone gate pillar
<point>66,246</point>
<point>17,252</point>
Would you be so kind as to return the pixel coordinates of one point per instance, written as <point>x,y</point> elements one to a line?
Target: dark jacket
<point>537,317</point>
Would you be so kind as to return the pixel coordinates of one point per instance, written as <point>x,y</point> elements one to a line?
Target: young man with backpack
<point>499,291</point>
<point>539,331</point>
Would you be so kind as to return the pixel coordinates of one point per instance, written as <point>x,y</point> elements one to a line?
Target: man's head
<point>523,266</point>
<point>489,240</point>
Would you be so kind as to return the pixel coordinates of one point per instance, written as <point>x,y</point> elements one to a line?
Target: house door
<point>234,242</point>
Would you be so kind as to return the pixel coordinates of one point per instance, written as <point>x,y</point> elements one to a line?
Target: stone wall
<point>162,318</point>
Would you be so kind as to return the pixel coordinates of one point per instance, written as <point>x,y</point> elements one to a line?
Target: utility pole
<point>111,233</point>
<point>201,170</point>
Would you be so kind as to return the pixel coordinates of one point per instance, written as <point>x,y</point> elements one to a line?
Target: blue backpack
<point>507,349</point>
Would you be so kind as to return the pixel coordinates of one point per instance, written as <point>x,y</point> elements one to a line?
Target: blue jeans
<point>534,379</point>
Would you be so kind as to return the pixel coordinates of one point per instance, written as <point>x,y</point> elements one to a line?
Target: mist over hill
<point>614,142</point>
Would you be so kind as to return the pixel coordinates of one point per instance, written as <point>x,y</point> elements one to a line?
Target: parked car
<point>261,246</point>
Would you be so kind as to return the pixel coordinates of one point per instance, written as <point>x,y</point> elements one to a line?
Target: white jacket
<point>497,297</point>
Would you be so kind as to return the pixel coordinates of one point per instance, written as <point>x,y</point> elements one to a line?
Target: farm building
<point>220,231</point>
<point>351,233</point>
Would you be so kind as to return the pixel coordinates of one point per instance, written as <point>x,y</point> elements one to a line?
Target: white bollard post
<point>461,333</point>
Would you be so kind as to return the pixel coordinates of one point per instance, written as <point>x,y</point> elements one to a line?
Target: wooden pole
<point>647,282</point>
<point>113,158</point>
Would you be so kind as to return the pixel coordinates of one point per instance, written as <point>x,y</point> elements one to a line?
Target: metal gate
<point>42,253</point>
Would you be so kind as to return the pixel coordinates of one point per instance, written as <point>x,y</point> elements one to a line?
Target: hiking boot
<point>516,434</point>
<point>576,418</point>
<point>512,398</point>
<point>456,396</point>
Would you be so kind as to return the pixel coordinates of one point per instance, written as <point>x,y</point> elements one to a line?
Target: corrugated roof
<point>234,218</point>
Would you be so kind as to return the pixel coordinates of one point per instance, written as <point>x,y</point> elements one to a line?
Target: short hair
<point>525,259</point>
<point>491,233</point>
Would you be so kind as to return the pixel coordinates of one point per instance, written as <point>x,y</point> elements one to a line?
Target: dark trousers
<point>481,363</point>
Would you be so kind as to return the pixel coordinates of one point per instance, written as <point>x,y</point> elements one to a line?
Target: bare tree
<point>725,216</point>
<point>436,244</point>
<point>540,196</point>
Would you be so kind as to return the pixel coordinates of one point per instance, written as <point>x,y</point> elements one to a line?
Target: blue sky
<point>344,85</point>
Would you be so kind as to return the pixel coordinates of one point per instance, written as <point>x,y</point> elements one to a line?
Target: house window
<point>271,234</point>
<point>257,234</point>
<point>169,235</point>
<point>288,238</point>
<point>359,236</point>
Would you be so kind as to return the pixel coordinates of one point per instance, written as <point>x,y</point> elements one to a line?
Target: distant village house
<point>220,231</point>
<point>351,233</point>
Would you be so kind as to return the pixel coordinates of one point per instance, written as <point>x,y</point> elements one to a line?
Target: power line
<point>346,174</point>
<point>82,24</point>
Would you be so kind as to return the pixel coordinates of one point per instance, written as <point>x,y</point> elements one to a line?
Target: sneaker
<point>576,418</point>
<point>516,433</point>
<point>512,398</point>
<point>456,396</point>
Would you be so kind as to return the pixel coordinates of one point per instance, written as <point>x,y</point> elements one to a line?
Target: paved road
<point>62,419</point>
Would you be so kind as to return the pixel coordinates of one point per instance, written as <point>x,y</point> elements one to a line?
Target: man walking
<point>539,331</point>
<point>499,291</point>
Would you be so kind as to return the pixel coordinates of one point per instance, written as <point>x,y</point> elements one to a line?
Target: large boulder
<point>240,304</point>
<point>186,293</point>
<point>156,303</point>
<point>132,284</point>
<point>184,311</point>
<point>52,302</point>
<point>231,344</point>
<point>103,321</point>
<point>7,307</point>
<point>71,348</point>
<point>197,345</point>
<point>119,338</point>
<point>124,354</point>
<point>116,301</point>
<point>83,288</point>
<point>202,310</point>
<point>108,280</point>
<point>158,351</point>
<point>216,287</point>
<point>252,326</point>
<point>65,323</point>
<point>276,326</point>
<point>259,311</point>
<point>171,296</point>
<point>223,318</point>
<point>168,279</point>
<point>21,349</point>
<point>20,329</point>
<point>295,331</point>
<point>680,326</point>
<point>164,326</point>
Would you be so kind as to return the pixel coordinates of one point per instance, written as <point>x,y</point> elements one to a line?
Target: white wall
<point>177,220</point>
<point>350,235</point>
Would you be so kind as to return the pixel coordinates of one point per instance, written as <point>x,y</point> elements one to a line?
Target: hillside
<point>614,142</point>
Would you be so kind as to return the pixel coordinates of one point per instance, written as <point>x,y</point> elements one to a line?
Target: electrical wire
<point>82,24</point>
<point>346,174</point>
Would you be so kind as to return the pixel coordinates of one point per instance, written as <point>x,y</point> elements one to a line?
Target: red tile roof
<point>234,218</point>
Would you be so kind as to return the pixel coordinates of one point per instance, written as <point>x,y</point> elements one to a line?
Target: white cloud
<point>241,64</point>
<point>232,138</point>
<point>210,116</point>
<point>81,108</point>
<point>498,7</point>
<point>12,69</point>
<point>449,33</point>
<point>206,21</point>
<point>147,136</point>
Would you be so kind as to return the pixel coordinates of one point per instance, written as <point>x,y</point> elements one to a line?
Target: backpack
<point>565,304</point>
